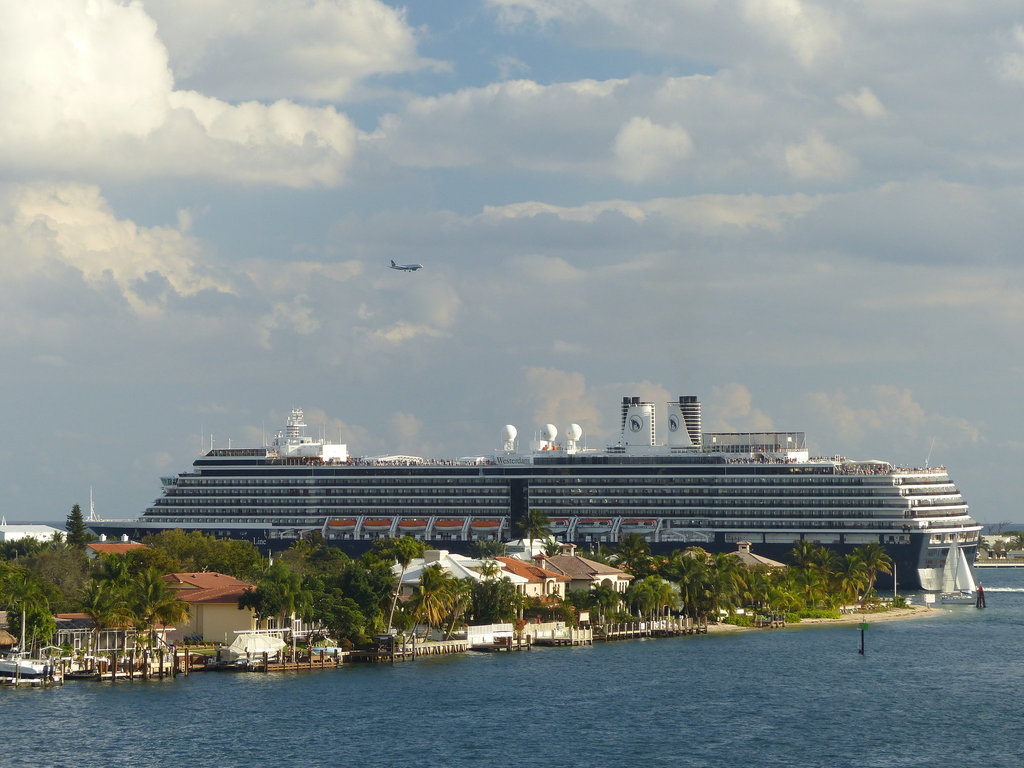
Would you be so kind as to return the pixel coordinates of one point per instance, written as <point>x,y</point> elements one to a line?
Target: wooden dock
<point>672,627</point>
<point>388,649</point>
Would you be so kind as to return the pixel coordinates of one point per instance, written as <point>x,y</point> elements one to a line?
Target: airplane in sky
<point>406,267</point>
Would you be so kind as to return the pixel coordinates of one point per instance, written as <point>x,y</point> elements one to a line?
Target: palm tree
<point>802,553</point>
<point>19,588</point>
<point>156,600</point>
<point>405,550</point>
<point>535,525</point>
<point>432,599</point>
<point>606,598</point>
<point>728,580</point>
<point>633,551</point>
<point>689,570</point>
<point>105,604</point>
<point>876,560</point>
<point>852,578</point>
<point>461,599</point>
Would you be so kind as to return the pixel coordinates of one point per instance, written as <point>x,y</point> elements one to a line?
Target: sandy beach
<point>871,617</point>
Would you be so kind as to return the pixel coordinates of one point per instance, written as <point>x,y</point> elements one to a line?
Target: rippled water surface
<point>938,691</point>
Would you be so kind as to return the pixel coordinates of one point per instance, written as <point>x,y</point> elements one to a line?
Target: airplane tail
<point>393,263</point>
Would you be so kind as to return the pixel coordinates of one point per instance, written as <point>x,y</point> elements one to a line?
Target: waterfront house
<point>213,606</point>
<point>458,566</point>
<point>584,573</point>
<point>539,583</point>
<point>78,632</point>
<point>753,560</point>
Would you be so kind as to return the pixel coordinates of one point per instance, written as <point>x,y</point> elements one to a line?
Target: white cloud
<point>517,123</point>
<point>87,88</point>
<point>807,31</point>
<point>561,396</point>
<point>1010,64</point>
<point>732,411</point>
<point>646,151</point>
<point>293,317</point>
<point>863,102</point>
<point>892,410</point>
<point>695,213</point>
<point>308,49</point>
<point>49,229</point>
<point>816,158</point>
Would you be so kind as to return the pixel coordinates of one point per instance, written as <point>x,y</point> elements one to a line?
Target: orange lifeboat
<point>450,523</point>
<point>344,523</point>
<point>485,524</point>
<point>594,524</point>
<point>412,524</point>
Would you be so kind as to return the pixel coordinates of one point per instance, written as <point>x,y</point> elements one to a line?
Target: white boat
<point>958,583</point>
<point>16,666</point>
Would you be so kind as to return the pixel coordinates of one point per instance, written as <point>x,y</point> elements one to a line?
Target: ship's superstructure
<point>712,490</point>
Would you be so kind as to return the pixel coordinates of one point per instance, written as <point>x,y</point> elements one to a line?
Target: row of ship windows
<point>865,498</point>
<point>549,502</point>
<point>738,523</point>
<point>498,485</point>
<point>775,519</point>
<point>221,491</point>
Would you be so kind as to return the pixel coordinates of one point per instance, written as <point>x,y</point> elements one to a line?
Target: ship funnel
<point>684,428</point>
<point>637,422</point>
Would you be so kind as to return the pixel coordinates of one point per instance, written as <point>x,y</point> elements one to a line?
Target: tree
<point>606,598</point>
<point>340,615</point>
<point>432,598</point>
<point>154,600</point>
<point>689,570</point>
<point>404,550</point>
<point>462,599</point>
<point>634,552</point>
<point>643,595</point>
<point>106,604</point>
<point>495,600</point>
<point>22,590</point>
<point>77,532</point>
<point>535,525</point>
<point>852,578</point>
<point>876,560</point>
<point>66,568</point>
<point>484,548</point>
<point>279,593</point>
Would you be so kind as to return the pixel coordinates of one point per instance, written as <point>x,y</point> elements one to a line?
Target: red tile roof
<point>207,587</point>
<point>114,547</point>
<point>529,571</point>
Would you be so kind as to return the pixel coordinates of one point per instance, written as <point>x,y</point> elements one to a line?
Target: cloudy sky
<point>808,214</point>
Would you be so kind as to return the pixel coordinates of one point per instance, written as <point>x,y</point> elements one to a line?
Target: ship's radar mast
<point>295,425</point>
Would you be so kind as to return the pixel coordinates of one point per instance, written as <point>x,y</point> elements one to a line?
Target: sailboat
<point>957,581</point>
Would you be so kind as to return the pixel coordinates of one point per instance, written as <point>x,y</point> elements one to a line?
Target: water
<point>938,691</point>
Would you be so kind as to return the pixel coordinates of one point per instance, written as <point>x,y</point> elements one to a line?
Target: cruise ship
<point>713,490</point>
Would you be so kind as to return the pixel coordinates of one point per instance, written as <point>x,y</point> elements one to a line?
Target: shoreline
<point>855,618</point>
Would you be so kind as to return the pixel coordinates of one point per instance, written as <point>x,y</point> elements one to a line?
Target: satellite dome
<point>508,433</point>
<point>574,432</point>
<point>549,433</point>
